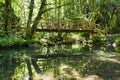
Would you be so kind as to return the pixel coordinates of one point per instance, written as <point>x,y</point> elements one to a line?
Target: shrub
<point>6,41</point>
<point>117,41</point>
<point>98,40</point>
<point>11,41</point>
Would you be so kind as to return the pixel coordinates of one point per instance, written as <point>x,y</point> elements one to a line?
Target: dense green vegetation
<point>19,19</point>
<point>117,40</point>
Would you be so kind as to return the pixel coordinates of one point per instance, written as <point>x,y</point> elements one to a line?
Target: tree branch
<point>56,7</point>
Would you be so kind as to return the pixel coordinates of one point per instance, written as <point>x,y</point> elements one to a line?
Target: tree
<point>37,19</point>
<point>7,16</point>
<point>42,9</point>
<point>8,20</point>
<point>108,16</point>
<point>28,31</point>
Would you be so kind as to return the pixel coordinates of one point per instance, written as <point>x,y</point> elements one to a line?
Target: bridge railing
<point>67,24</point>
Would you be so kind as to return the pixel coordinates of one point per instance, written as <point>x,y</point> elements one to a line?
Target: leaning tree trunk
<point>38,17</point>
<point>31,29</point>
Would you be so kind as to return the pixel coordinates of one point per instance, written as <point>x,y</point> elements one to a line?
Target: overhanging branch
<point>56,7</point>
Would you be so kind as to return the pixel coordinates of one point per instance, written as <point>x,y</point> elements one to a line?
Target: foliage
<point>19,41</point>
<point>85,35</point>
<point>32,41</point>
<point>109,15</point>
<point>98,39</point>
<point>6,42</point>
<point>68,38</point>
<point>31,12</point>
<point>13,23</point>
<point>117,41</point>
<point>117,49</point>
<point>15,42</point>
<point>10,41</point>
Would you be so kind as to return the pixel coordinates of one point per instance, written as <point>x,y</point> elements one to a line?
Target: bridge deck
<point>65,30</point>
<point>57,25</point>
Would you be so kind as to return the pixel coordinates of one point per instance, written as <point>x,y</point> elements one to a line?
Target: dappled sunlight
<point>70,73</point>
<point>75,36</point>
<point>44,77</point>
<point>93,77</point>
<point>75,75</point>
<point>109,59</point>
<point>63,66</point>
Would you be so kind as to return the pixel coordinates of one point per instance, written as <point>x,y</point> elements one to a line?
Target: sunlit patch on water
<point>26,78</point>
<point>109,60</point>
<point>44,77</point>
<point>93,77</point>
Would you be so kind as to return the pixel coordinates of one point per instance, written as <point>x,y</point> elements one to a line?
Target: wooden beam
<point>64,30</point>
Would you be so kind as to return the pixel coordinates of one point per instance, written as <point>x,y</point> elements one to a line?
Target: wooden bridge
<point>59,25</point>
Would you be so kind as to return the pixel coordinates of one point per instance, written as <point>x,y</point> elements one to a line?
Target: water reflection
<point>61,62</point>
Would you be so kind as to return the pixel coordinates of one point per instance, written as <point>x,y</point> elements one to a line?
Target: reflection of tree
<point>85,48</point>
<point>110,48</point>
<point>62,49</point>
<point>8,65</point>
<point>29,69</point>
<point>56,67</point>
<point>34,63</point>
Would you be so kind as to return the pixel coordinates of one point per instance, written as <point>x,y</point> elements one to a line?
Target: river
<point>61,62</point>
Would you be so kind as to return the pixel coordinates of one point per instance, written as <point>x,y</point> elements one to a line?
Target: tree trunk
<point>28,31</point>
<point>38,17</point>
<point>7,16</point>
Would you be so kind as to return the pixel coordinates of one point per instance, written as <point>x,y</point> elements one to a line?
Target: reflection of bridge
<point>57,25</point>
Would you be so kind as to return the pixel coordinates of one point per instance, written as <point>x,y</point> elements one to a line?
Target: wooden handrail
<point>55,25</point>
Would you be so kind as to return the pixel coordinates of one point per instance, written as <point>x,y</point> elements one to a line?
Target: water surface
<point>61,62</point>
